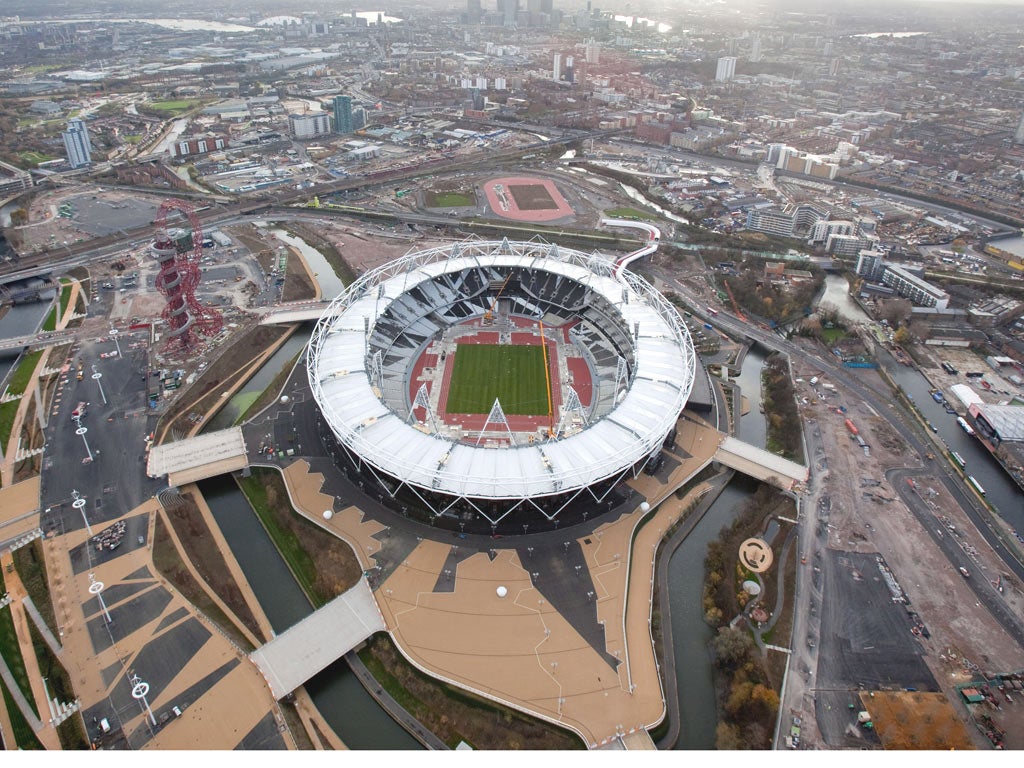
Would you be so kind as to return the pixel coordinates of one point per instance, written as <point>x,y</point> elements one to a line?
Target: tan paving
<point>19,508</point>
<point>348,524</point>
<point>519,649</point>
<point>218,719</point>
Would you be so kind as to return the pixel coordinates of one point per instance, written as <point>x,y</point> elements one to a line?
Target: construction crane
<point>489,314</point>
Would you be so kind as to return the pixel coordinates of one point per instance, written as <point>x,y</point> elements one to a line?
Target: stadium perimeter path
<point>519,650</point>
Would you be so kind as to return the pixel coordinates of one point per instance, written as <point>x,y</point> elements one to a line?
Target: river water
<point>837,294</point>
<point>324,274</point>
<point>690,634</point>
<point>352,712</point>
<point>20,320</point>
<point>1000,491</point>
<point>252,389</point>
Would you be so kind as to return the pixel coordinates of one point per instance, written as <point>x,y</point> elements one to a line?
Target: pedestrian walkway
<point>323,637</point>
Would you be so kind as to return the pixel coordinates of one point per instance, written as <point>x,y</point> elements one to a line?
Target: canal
<point>690,633</point>
<point>21,320</point>
<point>346,706</point>
<point>253,388</point>
<point>355,716</point>
<point>1000,490</point>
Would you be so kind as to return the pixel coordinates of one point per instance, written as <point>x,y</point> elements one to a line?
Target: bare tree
<point>895,311</point>
<point>919,329</point>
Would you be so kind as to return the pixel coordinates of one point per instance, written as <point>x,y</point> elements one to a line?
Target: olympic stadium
<point>490,385</point>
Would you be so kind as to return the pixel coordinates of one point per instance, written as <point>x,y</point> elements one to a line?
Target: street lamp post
<point>81,431</point>
<point>139,691</point>
<point>79,504</point>
<point>96,588</point>
<point>96,377</point>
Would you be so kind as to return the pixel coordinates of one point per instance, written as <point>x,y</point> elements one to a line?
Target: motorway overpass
<point>77,253</point>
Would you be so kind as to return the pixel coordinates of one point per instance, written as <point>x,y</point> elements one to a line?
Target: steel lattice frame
<point>432,474</point>
<point>186,318</point>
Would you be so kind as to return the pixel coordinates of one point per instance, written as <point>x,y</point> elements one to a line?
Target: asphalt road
<point>909,429</point>
<point>116,477</point>
<point>979,584</point>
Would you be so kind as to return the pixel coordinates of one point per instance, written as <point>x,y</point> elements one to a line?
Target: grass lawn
<point>11,652</point>
<point>65,298</point>
<point>23,373</point>
<point>24,737</point>
<point>512,374</point>
<point>50,323</point>
<point>630,213</point>
<point>35,158</point>
<point>16,384</point>
<point>449,199</point>
<point>831,335</point>
<point>173,107</point>
<point>132,138</point>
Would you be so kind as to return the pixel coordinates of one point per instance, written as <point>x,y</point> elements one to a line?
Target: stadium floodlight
<point>496,416</point>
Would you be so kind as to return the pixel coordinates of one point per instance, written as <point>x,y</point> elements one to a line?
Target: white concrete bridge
<point>316,642</point>
<point>294,313</point>
<point>760,464</point>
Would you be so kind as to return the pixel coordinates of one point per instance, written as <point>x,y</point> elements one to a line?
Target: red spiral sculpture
<point>187,320</point>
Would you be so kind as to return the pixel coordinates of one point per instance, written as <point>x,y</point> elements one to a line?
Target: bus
<point>712,311</point>
<point>958,459</point>
<point>975,485</point>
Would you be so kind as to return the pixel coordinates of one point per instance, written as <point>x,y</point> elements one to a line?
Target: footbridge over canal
<point>293,313</point>
<point>316,642</point>
<point>760,464</point>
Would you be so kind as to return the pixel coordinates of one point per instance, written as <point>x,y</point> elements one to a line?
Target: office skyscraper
<point>76,143</point>
<point>556,67</point>
<point>726,68</point>
<point>1018,137</point>
<point>508,10</point>
<point>343,114</point>
<point>755,48</point>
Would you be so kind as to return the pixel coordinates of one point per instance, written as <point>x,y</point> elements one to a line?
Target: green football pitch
<point>513,375</point>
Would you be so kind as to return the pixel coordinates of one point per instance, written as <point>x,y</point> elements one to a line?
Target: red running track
<point>475,421</point>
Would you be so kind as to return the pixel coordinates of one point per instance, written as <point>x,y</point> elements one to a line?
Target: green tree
<point>732,647</point>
